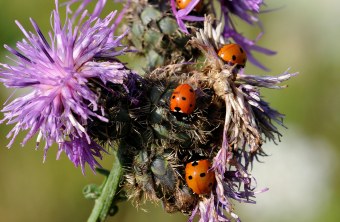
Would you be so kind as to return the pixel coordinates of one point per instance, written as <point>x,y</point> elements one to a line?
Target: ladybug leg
<point>235,69</point>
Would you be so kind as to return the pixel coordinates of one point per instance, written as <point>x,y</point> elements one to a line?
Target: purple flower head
<point>183,14</point>
<point>80,152</point>
<point>246,10</point>
<point>56,71</point>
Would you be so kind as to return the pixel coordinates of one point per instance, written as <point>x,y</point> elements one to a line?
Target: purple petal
<point>56,71</point>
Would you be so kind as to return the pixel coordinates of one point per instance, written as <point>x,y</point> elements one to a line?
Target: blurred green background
<point>302,172</point>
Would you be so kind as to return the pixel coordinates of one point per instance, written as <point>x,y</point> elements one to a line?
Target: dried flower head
<point>228,127</point>
<point>248,120</point>
<point>58,71</point>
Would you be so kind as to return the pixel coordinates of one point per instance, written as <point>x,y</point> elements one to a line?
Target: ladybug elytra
<point>182,4</point>
<point>198,176</point>
<point>233,54</point>
<point>183,99</point>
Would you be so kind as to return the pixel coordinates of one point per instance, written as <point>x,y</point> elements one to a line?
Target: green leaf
<point>91,191</point>
<point>103,171</point>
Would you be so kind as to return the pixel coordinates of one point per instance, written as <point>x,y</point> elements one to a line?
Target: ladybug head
<point>196,157</point>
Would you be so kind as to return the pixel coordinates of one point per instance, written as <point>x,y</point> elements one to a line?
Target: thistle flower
<point>82,96</point>
<point>228,126</point>
<point>248,118</point>
<point>246,10</point>
<point>57,72</point>
<point>155,34</point>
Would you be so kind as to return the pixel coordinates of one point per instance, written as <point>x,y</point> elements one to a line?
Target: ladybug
<point>183,100</point>
<point>233,54</point>
<point>198,176</point>
<point>182,4</point>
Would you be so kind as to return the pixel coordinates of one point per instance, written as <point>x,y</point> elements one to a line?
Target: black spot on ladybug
<point>191,90</point>
<point>183,98</point>
<point>190,177</point>
<point>241,50</point>
<point>190,105</point>
<point>202,175</point>
<point>177,109</point>
<point>194,163</point>
<point>173,97</point>
<point>233,57</point>
<point>210,184</point>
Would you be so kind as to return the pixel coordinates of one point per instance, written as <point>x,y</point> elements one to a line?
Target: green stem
<point>103,202</point>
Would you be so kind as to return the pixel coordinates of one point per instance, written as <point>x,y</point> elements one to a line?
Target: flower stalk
<point>103,203</point>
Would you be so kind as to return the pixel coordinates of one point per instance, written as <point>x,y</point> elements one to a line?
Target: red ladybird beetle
<point>198,176</point>
<point>182,4</point>
<point>183,99</point>
<point>233,54</point>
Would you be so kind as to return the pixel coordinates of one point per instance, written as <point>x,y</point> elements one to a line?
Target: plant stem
<point>103,202</point>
